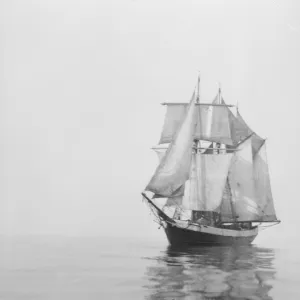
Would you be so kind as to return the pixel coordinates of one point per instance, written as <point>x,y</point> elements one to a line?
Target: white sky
<point>81,86</point>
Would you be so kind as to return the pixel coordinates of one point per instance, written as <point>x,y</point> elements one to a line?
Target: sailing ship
<point>213,174</point>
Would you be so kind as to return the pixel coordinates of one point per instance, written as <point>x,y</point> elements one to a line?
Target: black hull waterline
<point>180,236</point>
<point>186,233</point>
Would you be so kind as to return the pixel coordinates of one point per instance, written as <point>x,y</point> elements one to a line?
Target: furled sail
<point>173,170</point>
<point>213,123</point>
<point>263,186</point>
<point>242,183</point>
<point>208,174</point>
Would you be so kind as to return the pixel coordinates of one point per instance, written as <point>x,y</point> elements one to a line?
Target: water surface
<point>139,268</point>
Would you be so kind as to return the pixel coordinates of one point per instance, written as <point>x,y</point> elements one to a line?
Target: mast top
<point>198,89</point>
<point>219,93</point>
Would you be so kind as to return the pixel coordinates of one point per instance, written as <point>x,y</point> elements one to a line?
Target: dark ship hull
<point>181,236</point>
<point>181,232</point>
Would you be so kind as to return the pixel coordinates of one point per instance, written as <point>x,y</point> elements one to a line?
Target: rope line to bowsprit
<point>159,219</point>
<point>154,212</point>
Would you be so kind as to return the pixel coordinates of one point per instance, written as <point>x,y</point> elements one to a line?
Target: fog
<point>81,87</point>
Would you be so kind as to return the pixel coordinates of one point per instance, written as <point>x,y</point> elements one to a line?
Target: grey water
<point>141,268</point>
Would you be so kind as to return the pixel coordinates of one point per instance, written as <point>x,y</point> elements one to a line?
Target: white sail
<point>173,169</point>
<point>192,200</point>
<point>161,152</point>
<point>175,201</point>
<point>213,123</point>
<point>226,207</point>
<point>245,131</point>
<point>179,212</point>
<point>242,183</point>
<point>220,129</point>
<point>216,172</point>
<point>239,130</point>
<point>173,119</point>
<point>204,189</point>
<point>257,142</point>
<point>176,197</point>
<point>263,186</point>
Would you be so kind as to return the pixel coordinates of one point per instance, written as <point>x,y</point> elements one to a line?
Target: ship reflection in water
<point>212,273</point>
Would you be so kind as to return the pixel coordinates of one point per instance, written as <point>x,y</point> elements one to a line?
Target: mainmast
<point>231,202</point>
<point>217,146</point>
<point>198,150</point>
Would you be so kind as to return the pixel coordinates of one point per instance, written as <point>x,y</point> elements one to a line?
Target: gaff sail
<point>242,183</point>
<point>263,186</point>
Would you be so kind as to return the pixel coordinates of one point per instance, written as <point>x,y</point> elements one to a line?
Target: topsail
<point>213,123</point>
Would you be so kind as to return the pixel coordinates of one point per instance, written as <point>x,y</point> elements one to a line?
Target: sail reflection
<point>244,272</point>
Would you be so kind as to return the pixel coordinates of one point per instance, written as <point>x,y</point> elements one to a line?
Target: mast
<point>197,142</point>
<point>219,94</point>
<point>231,202</point>
<point>221,146</point>
<point>218,145</point>
<point>198,90</point>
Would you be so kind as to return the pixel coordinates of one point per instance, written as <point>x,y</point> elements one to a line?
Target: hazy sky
<point>81,87</point>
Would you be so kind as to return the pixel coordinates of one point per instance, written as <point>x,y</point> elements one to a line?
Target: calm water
<point>111,268</point>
